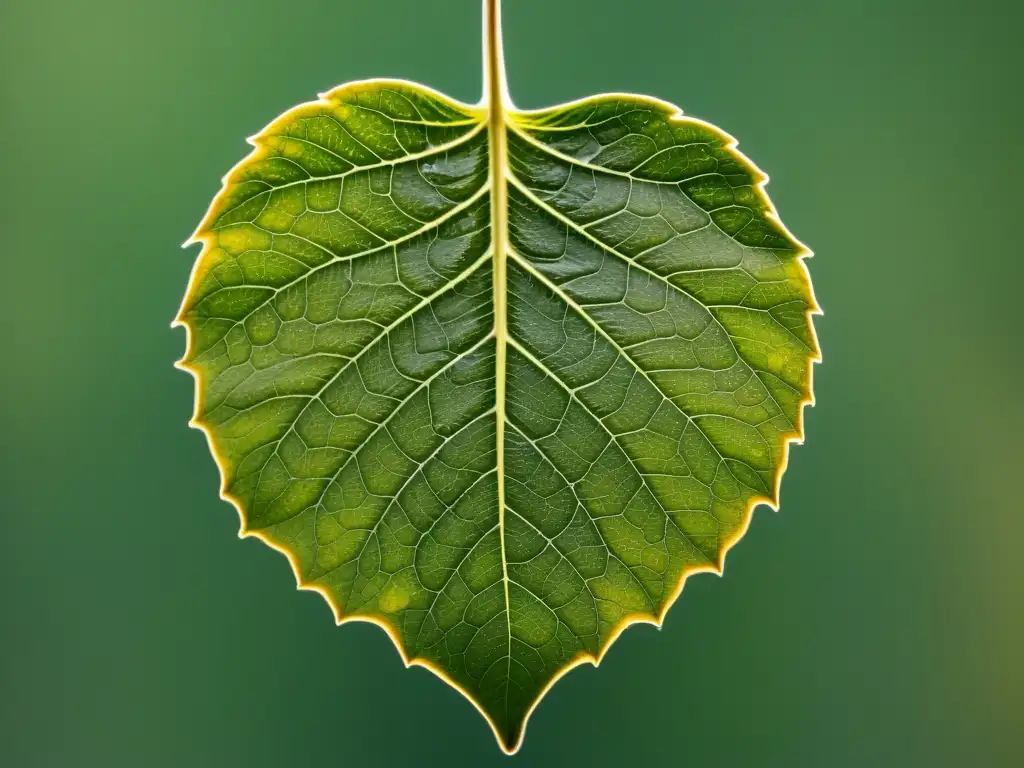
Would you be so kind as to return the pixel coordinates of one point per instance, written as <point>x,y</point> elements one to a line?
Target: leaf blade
<point>349,375</point>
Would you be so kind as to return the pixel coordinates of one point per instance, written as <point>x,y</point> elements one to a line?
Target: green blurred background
<point>877,620</point>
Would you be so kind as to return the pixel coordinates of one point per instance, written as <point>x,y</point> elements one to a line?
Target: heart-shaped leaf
<point>497,381</point>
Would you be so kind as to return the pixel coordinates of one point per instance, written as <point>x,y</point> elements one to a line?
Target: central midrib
<point>494,92</point>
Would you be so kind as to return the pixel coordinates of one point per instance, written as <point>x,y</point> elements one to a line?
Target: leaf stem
<point>495,89</point>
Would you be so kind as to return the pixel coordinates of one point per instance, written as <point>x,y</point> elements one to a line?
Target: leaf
<point>501,460</point>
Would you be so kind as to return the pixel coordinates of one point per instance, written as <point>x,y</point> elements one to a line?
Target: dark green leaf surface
<point>643,339</point>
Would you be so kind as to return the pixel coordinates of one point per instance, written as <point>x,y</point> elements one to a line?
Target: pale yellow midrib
<point>494,78</point>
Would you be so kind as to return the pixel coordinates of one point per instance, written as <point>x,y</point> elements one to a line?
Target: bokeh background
<point>877,620</point>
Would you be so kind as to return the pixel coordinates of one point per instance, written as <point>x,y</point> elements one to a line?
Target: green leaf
<point>497,381</point>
